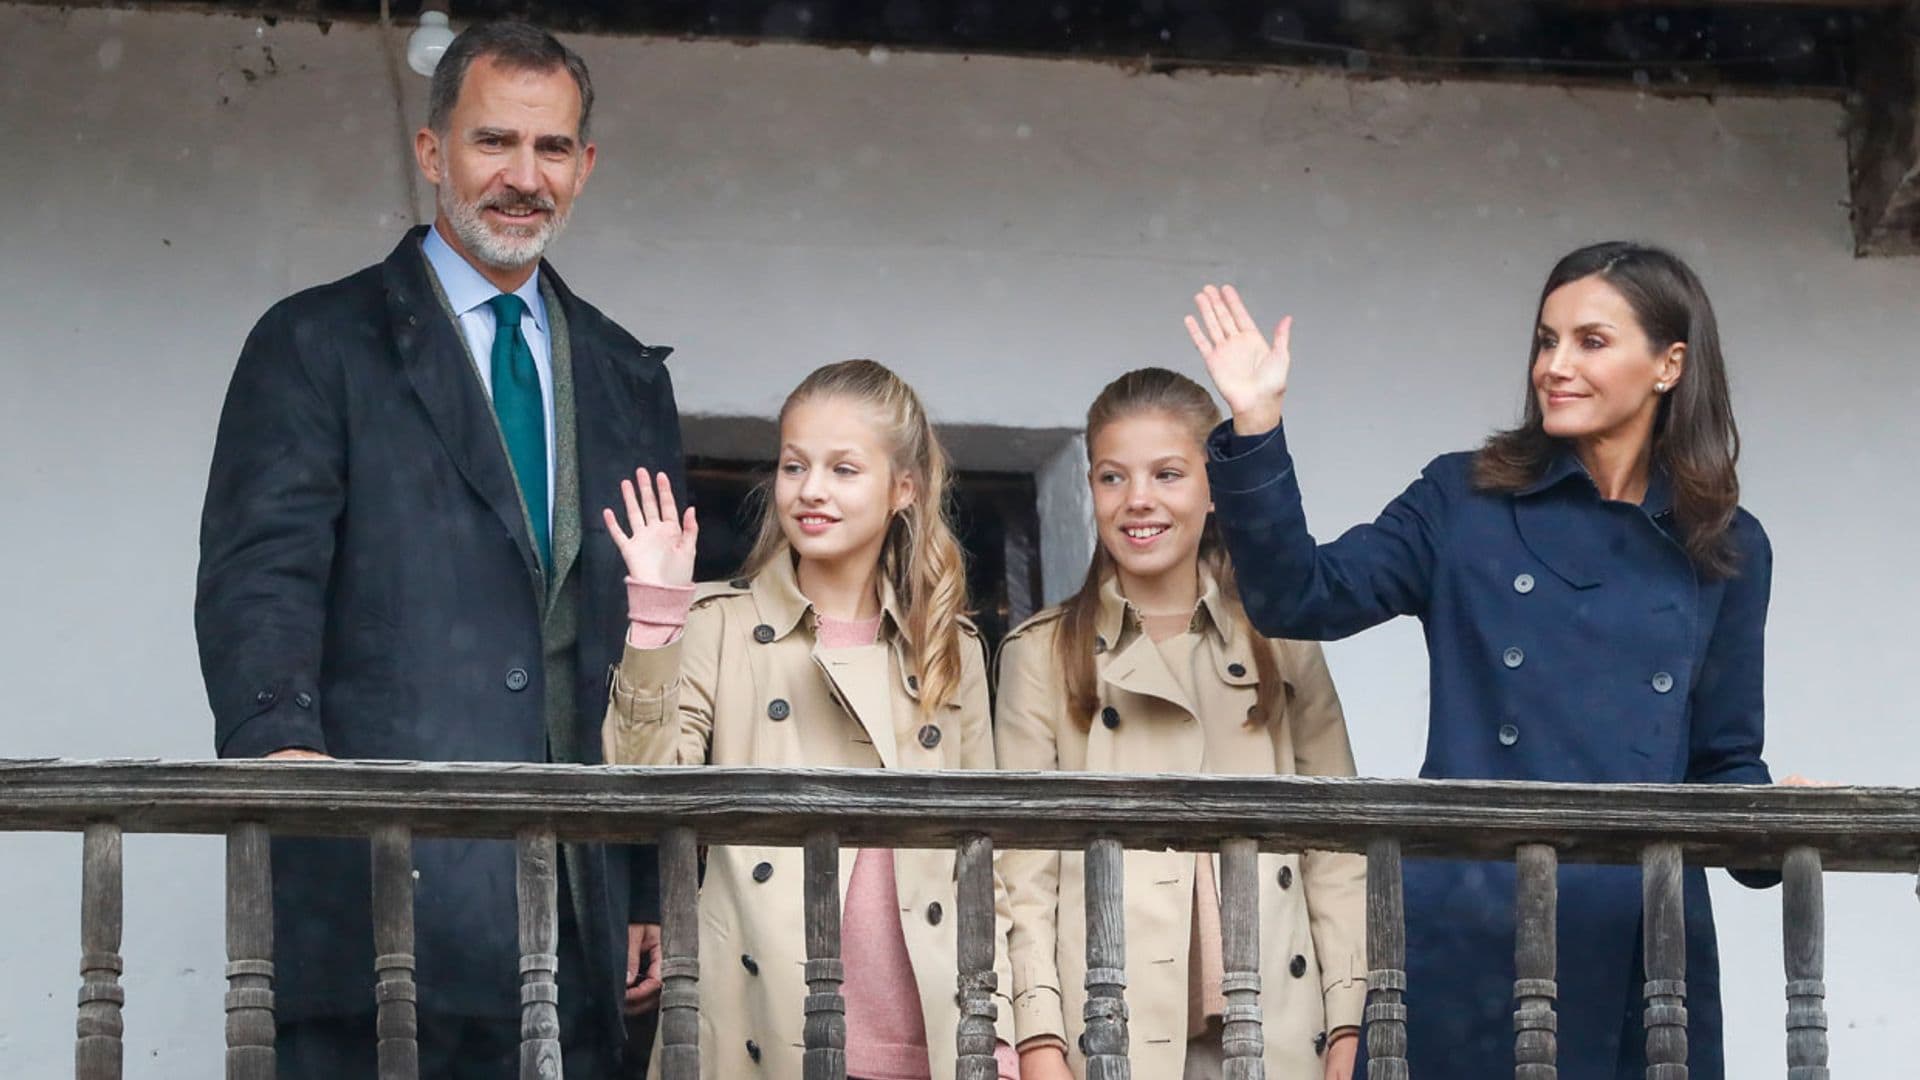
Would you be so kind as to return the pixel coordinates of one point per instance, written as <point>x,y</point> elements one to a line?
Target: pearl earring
<point>1659,388</point>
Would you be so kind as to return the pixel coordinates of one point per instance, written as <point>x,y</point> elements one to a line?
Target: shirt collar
<point>467,288</point>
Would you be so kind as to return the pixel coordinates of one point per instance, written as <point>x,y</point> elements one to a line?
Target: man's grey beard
<point>510,249</point>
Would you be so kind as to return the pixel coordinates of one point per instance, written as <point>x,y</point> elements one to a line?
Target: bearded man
<point>400,558</point>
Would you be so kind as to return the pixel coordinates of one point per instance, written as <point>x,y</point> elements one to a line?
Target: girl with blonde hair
<point>843,642</point>
<point>1153,667</point>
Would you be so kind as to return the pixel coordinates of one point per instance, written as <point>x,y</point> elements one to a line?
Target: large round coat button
<point>762,871</point>
<point>1099,645</point>
<point>1236,669</point>
<point>753,1051</point>
<point>752,965</point>
<point>778,709</point>
<point>303,700</point>
<point>929,736</point>
<point>1110,716</point>
<point>1297,967</point>
<point>1509,734</point>
<point>913,683</point>
<point>1513,657</point>
<point>1523,584</point>
<point>517,679</point>
<point>264,697</point>
<point>934,913</point>
<point>1662,683</point>
<point>763,633</point>
<point>1286,877</point>
<point>740,583</point>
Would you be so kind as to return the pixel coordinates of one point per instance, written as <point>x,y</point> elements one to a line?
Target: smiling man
<point>400,558</point>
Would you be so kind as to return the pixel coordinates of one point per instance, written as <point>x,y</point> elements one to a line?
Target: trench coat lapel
<point>1573,553</point>
<point>437,365</point>
<point>862,678</point>
<point>1135,665</point>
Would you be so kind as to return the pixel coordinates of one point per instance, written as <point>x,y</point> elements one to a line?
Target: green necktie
<point>522,410</point>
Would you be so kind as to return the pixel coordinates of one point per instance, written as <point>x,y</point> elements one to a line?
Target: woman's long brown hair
<point>1695,441</point>
<point>920,559</point>
<point>1152,392</point>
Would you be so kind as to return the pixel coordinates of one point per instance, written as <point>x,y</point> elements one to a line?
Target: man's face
<point>509,165</point>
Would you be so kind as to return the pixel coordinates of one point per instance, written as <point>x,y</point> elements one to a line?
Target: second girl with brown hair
<point>1153,667</point>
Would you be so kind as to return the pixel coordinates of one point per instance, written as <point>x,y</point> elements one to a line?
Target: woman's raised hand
<point>1250,371</point>
<point>659,550</point>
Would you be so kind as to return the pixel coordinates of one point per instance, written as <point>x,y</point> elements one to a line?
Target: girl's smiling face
<point>836,490</point>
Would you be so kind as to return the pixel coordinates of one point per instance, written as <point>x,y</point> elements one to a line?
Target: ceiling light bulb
<point>426,44</point>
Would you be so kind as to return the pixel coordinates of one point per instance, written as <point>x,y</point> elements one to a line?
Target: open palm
<point>1249,371</point>
<point>659,549</point>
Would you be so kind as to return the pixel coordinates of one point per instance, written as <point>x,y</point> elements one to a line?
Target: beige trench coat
<point>1312,907</point>
<point>780,702</point>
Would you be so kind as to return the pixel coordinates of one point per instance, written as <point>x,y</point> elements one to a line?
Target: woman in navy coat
<point>1594,602</point>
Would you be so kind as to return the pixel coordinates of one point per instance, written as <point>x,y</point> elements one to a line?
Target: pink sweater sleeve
<point>656,613</point>
<point>1009,1061</point>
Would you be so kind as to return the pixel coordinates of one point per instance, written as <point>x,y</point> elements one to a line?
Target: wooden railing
<point>1800,831</point>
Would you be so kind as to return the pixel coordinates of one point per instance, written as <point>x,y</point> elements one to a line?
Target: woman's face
<point>1150,494</point>
<point>836,490</point>
<point>1595,374</point>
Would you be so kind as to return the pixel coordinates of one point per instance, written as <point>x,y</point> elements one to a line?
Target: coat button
<point>913,683</point>
<point>1297,967</point>
<point>1236,669</point>
<point>303,700</point>
<point>1320,1044</point>
<point>753,1051</point>
<point>1286,877</point>
<point>778,709</point>
<point>1513,657</point>
<point>763,633</point>
<point>1110,716</point>
<point>1509,734</point>
<point>934,913</point>
<point>264,697</point>
<point>740,583</point>
<point>1523,584</point>
<point>517,679</point>
<point>752,965</point>
<point>1099,645</point>
<point>1662,683</point>
<point>762,871</point>
<point>929,736</point>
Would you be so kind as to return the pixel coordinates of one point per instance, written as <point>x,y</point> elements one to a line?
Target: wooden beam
<point>1854,828</point>
<point>1883,138</point>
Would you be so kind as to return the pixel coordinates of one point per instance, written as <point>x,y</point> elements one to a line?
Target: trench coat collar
<point>1577,556</point>
<point>781,604</point>
<point>1566,465</point>
<point>1117,617</point>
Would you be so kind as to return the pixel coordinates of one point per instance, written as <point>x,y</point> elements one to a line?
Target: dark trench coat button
<point>1509,734</point>
<point>763,633</point>
<point>1099,645</point>
<point>1286,877</point>
<point>778,709</point>
<point>762,871</point>
<point>753,1051</point>
<point>934,913</point>
<point>1110,716</point>
<point>740,583</point>
<point>1297,967</point>
<point>1662,683</point>
<point>303,699</point>
<point>913,683</point>
<point>517,679</point>
<point>752,965</point>
<point>1523,584</point>
<point>1236,669</point>
<point>1513,657</point>
<point>929,736</point>
<point>1320,1044</point>
<point>264,697</point>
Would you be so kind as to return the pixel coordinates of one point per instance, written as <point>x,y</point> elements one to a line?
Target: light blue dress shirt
<point>468,292</point>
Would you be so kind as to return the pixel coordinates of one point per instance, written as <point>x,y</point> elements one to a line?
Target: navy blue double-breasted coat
<point>1569,638</point>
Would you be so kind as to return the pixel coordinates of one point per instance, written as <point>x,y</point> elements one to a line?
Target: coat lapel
<point>437,365</point>
<point>863,678</point>
<point>567,512</point>
<point>1575,554</point>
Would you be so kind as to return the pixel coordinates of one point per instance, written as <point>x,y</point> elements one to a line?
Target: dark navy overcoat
<point>1569,638</point>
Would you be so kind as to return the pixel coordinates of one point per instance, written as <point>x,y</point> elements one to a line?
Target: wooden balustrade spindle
<point>1803,922</point>
<point>1387,953</point>
<point>976,978</point>
<point>826,1011</point>
<point>1104,1041</point>
<point>98,1052</point>
<point>679,1032</point>
<point>1243,1044</point>
<point>397,1023</point>
<point>537,876</point>
<point>1536,921</point>
<point>1664,935</point>
<point>249,953</point>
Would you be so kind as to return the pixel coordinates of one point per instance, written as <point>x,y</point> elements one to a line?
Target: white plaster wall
<point>1009,234</point>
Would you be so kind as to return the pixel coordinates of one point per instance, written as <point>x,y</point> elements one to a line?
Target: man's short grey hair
<point>517,46</point>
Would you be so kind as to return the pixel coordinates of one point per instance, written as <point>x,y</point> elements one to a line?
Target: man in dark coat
<point>401,558</point>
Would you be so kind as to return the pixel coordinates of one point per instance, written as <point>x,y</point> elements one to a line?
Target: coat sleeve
<point>1335,881</point>
<point>1024,739</point>
<point>275,495</point>
<point>1292,587</point>
<point>1728,714</point>
<point>660,707</point>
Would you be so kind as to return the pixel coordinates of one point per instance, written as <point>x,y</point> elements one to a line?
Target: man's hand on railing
<point>643,968</point>
<point>298,753</point>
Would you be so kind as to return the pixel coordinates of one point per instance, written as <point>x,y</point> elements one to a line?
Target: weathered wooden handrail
<point>1799,831</point>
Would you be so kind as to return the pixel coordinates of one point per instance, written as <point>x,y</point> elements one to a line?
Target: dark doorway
<point>994,514</point>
